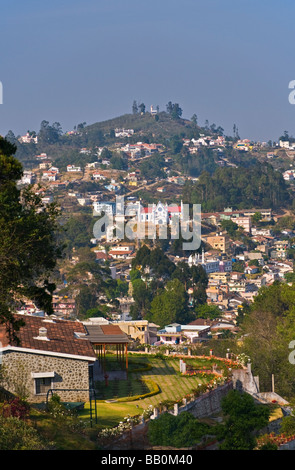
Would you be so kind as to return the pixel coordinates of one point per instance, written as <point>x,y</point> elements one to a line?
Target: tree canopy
<point>268,329</point>
<point>243,417</point>
<point>259,186</point>
<point>183,430</point>
<point>28,244</point>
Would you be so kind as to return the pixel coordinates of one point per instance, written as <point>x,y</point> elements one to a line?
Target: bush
<point>15,408</point>
<point>288,425</point>
<point>183,430</point>
<point>15,434</point>
<point>67,419</point>
<point>269,446</point>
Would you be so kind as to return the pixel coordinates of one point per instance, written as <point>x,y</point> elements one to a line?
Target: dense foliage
<point>268,329</point>
<point>259,186</point>
<point>183,430</point>
<point>16,434</point>
<point>243,418</point>
<point>28,245</point>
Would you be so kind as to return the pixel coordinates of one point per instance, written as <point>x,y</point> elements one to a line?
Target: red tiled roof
<point>169,209</point>
<point>61,334</point>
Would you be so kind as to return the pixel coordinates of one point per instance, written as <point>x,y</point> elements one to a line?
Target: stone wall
<point>207,404</point>
<point>69,374</point>
<point>210,403</point>
<point>243,380</point>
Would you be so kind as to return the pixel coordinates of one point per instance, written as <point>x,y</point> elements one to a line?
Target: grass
<point>59,437</point>
<point>110,414</point>
<point>164,372</point>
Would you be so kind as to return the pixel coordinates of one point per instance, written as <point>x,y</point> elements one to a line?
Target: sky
<point>227,61</point>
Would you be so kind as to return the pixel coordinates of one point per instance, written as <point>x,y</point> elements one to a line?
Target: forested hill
<point>242,188</point>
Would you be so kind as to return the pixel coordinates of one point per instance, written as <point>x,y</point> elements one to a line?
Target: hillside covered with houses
<point>127,282</point>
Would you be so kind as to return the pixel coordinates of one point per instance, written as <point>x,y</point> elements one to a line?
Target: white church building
<point>161,214</point>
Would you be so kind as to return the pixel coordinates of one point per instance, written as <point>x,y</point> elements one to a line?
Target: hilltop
<point>162,125</point>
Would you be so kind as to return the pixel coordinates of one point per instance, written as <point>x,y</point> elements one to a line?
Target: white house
<point>73,168</point>
<point>177,334</point>
<point>27,178</point>
<point>98,176</point>
<point>121,251</point>
<point>210,265</point>
<point>288,175</point>
<point>124,132</point>
<point>29,138</point>
<point>104,206</point>
<point>49,176</point>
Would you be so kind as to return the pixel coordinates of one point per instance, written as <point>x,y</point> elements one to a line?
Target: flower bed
<point>106,435</point>
<point>277,439</point>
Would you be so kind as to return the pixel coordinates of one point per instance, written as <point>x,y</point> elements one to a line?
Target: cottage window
<point>43,382</point>
<point>42,385</point>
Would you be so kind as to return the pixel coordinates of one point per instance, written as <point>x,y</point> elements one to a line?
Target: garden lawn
<point>164,372</point>
<point>110,414</point>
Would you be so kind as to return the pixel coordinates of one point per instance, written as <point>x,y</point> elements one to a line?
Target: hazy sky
<point>72,61</point>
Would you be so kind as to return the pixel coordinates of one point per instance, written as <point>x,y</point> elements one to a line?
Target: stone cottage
<point>51,354</point>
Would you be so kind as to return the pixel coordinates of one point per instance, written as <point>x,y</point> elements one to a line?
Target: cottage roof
<point>63,337</point>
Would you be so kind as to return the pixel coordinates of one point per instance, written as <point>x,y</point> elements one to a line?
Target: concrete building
<point>219,242</point>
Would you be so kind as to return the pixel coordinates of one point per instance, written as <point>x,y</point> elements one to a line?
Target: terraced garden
<point>151,381</point>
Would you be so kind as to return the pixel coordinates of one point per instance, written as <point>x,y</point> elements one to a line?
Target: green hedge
<point>154,389</point>
<point>140,368</point>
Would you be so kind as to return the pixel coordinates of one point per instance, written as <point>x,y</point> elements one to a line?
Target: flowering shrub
<point>64,417</point>
<point>148,412</point>
<point>200,373</point>
<point>117,431</point>
<point>273,439</point>
<point>16,434</point>
<point>243,359</point>
<point>15,408</point>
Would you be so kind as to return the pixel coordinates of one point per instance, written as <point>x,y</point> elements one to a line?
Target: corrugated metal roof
<point>106,334</point>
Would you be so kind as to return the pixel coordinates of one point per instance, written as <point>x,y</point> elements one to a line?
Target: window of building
<point>43,382</point>
<point>42,385</point>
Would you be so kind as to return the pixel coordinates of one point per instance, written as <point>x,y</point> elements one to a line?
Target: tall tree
<point>194,119</point>
<point>174,110</point>
<point>134,107</point>
<point>28,247</point>
<point>170,305</point>
<point>243,418</point>
<point>142,108</point>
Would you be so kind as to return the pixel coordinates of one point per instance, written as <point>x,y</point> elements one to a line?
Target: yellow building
<point>140,330</point>
<point>220,276</point>
<point>219,242</point>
